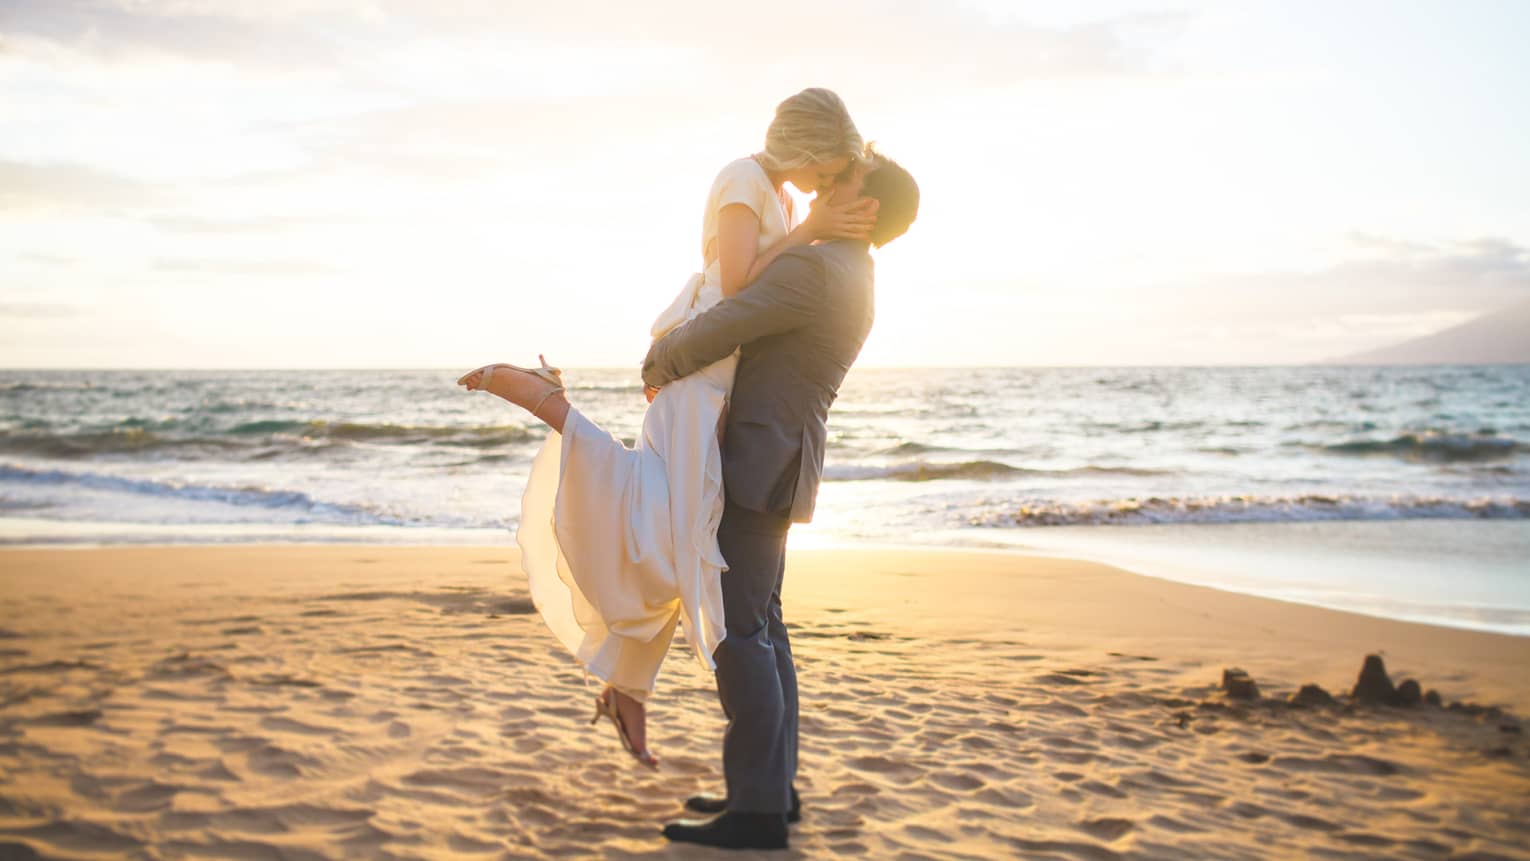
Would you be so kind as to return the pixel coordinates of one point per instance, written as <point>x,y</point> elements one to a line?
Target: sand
<point>359,702</point>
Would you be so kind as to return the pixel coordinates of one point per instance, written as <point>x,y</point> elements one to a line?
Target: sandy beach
<point>289,701</point>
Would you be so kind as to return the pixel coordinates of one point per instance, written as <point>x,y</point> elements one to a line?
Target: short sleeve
<point>742,182</point>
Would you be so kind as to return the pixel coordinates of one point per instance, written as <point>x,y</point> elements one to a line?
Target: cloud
<point>942,39</point>
<point>37,258</point>
<point>121,29</point>
<point>447,91</point>
<point>1389,289</point>
<point>32,186</point>
<point>853,31</point>
<point>250,224</point>
<point>1487,262</point>
<point>219,266</point>
<point>39,310</point>
<point>1460,274</point>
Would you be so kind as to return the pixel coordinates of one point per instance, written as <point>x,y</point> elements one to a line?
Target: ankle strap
<point>549,394</point>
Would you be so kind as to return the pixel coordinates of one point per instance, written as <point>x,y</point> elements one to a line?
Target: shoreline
<point>964,584</point>
<point>1239,558</point>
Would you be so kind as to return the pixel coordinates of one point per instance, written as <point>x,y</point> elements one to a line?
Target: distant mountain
<point>1497,337</point>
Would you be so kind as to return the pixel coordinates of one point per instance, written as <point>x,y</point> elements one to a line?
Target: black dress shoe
<point>706,802</point>
<point>732,831</point>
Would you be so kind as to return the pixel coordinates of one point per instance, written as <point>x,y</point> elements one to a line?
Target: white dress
<point>619,543</point>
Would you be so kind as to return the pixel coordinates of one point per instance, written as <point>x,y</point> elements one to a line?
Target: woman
<point>619,544</point>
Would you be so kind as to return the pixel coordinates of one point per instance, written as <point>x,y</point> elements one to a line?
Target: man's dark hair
<point>897,194</point>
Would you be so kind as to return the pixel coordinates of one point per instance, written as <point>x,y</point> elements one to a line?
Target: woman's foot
<point>539,391</point>
<point>631,719</point>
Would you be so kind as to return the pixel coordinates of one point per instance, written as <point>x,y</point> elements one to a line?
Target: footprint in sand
<point>1109,828</point>
<point>83,717</point>
<point>1058,707</point>
<point>296,727</point>
<point>1373,841</point>
<point>1337,763</point>
<point>282,680</point>
<point>275,761</point>
<point>147,797</point>
<point>1052,848</point>
<point>957,781</point>
<point>890,768</point>
<point>1311,823</point>
<point>857,789</point>
<point>512,607</point>
<point>1179,826</point>
<point>1066,677</point>
<point>1104,789</point>
<point>1247,810</point>
<point>919,832</point>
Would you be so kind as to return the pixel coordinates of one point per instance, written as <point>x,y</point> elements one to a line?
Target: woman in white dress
<point>619,544</point>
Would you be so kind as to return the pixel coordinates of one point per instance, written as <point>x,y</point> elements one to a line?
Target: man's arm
<point>786,296</point>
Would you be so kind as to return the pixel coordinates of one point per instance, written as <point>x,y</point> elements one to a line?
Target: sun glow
<point>409,187</point>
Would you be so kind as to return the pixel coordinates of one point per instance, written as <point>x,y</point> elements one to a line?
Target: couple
<point>689,526</point>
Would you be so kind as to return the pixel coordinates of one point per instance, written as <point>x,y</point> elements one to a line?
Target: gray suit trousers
<point>756,679</point>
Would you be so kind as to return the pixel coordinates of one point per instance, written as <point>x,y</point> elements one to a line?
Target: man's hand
<point>853,220</point>
<point>650,392</point>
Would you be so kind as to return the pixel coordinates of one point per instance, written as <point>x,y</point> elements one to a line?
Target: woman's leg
<point>629,686</point>
<point>527,391</point>
<point>632,679</point>
<point>637,663</point>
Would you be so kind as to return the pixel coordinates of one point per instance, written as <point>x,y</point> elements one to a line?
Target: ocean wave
<point>396,434</point>
<point>1432,447</point>
<point>1152,426</point>
<point>970,469</point>
<point>22,387</point>
<point>141,436</point>
<point>617,388</point>
<point>1249,509</point>
<point>118,440</point>
<point>257,497</point>
<point>903,449</point>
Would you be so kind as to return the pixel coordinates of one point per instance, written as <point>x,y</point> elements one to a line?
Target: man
<point>798,329</point>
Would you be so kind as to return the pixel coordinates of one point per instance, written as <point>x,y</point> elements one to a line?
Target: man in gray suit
<point>798,329</point>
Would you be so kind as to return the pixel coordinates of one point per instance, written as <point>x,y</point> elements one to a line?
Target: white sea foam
<point>916,450</point>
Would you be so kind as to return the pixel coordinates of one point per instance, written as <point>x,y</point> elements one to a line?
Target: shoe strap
<point>534,409</point>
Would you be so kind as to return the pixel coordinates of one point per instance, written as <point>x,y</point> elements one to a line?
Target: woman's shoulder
<point>741,172</point>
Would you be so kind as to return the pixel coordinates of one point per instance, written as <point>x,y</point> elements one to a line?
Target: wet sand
<point>358,702</point>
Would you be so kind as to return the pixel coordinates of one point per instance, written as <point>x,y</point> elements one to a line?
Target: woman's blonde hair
<point>811,127</point>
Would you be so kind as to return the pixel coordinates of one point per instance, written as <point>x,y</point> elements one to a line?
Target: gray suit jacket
<point>798,328</point>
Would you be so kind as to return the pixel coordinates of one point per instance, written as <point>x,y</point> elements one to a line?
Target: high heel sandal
<point>547,373</point>
<point>605,706</point>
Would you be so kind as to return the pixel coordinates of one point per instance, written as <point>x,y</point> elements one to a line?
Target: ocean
<point>1403,492</point>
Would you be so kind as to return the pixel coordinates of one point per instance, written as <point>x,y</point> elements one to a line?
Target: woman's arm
<point>739,258</point>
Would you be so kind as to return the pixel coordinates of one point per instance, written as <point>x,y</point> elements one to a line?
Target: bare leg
<point>545,400</point>
<point>635,718</point>
<point>527,391</point>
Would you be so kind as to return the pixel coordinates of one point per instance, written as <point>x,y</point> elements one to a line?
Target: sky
<point>426,183</point>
